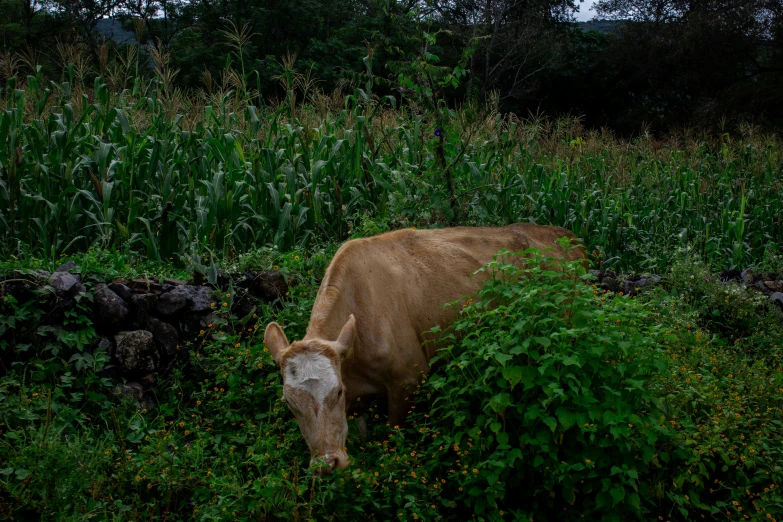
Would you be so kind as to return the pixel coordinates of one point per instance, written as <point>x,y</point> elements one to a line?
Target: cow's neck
<point>329,315</point>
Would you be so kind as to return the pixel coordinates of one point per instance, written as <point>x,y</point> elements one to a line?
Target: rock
<point>631,286</point>
<point>143,305</point>
<point>609,284</point>
<point>67,267</point>
<point>107,346</point>
<point>268,285</point>
<point>135,391</point>
<point>148,379</point>
<point>165,334</point>
<point>730,275</point>
<point>610,273</point>
<point>132,390</point>
<point>243,307</point>
<point>196,299</point>
<point>777,299</point>
<point>759,285</point>
<point>66,285</point>
<point>22,285</point>
<point>110,310</point>
<point>597,274</point>
<point>144,286</point>
<point>749,277</point>
<point>147,402</point>
<point>134,350</point>
<point>173,282</point>
<point>172,302</point>
<point>201,299</point>
<point>121,290</point>
<point>194,323</point>
<point>145,302</point>
<point>774,286</point>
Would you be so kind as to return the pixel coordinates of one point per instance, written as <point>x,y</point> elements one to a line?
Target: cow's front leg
<point>362,420</point>
<point>400,402</point>
<point>357,408</point>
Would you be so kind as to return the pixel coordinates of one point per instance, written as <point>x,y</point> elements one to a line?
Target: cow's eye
<point>340,392</point>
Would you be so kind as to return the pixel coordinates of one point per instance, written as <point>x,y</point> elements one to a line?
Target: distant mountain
<point>112,30</point>
<point>602,26</point>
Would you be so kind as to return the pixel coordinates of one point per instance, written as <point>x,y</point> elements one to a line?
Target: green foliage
<point>723,402</point>
<point>731,309</point>
<point>98,264</point>
<point>135,171</point>
<point>544,402</point>
<point>551,400</point>
<point>55,408</point>
<point>680,421</point>
<point>771,261</point>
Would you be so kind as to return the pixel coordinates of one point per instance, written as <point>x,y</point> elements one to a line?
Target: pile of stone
<point>630,285</point>
<point>144,323</point>
<point>770,285</point>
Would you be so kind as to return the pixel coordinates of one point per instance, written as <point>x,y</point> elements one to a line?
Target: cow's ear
<point>275,340</point>
<point>344,342</point>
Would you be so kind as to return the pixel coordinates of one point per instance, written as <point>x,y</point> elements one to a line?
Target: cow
<point>365,337</point>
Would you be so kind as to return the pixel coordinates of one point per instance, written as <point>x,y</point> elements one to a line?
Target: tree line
<point>657,65</point>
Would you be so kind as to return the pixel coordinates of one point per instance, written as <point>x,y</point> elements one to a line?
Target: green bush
<point>730,309</point>
<point>543,404</point>
<point>771,261</point>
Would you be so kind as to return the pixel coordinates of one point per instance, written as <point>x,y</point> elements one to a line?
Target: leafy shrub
<point>730,309</point>
<point>723,404</point>
<point>771,261</point>
<point>543,404</point>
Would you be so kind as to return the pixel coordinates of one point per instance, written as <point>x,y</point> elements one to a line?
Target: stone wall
<point>142,323</point>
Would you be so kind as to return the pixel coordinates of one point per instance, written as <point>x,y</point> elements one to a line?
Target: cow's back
<point>396,285</point>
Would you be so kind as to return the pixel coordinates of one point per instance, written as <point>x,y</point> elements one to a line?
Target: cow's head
<point>314,391</point>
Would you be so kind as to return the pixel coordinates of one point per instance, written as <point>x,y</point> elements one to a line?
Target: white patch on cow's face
<point>313,373</point>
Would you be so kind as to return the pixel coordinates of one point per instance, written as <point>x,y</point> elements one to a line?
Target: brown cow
<point>365,333</point>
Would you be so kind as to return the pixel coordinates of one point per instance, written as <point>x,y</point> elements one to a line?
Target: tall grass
<point>165,173</point>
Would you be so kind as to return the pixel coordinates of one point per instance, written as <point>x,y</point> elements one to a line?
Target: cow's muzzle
<point>330,462</point>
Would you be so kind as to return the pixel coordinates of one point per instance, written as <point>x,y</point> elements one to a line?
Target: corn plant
<point>154,171</point>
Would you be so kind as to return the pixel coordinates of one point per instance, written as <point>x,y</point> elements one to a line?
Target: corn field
<point>163,173</point>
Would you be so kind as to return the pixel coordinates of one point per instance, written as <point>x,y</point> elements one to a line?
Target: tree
<point>84,16</point>
<point>516,40</point>
<point>695,61</point>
